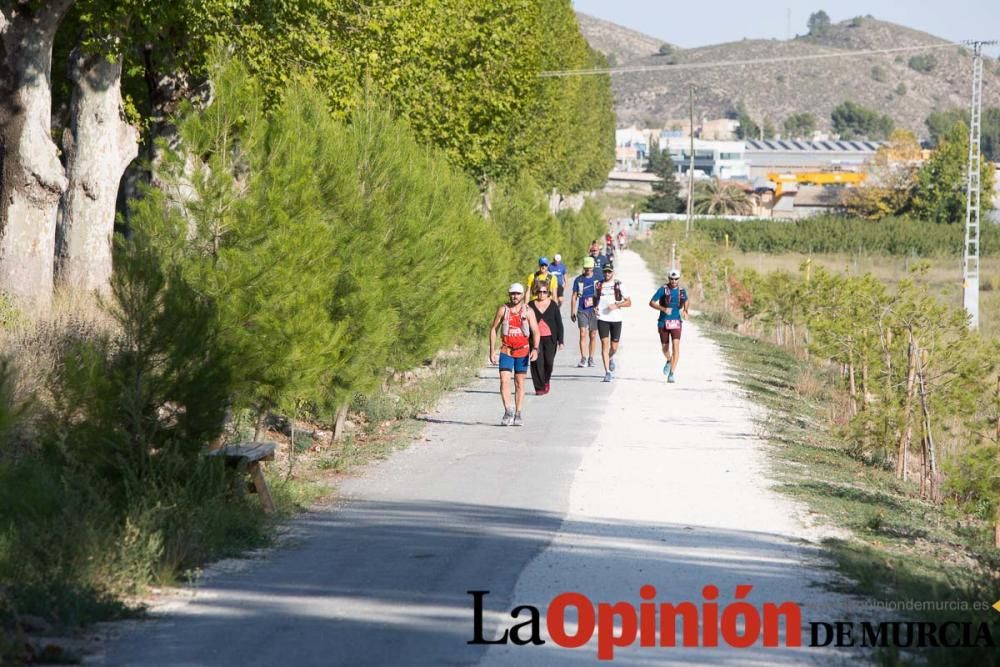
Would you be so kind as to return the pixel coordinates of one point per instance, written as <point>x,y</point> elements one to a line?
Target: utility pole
<point>690,211</point>
<point>970,277</point>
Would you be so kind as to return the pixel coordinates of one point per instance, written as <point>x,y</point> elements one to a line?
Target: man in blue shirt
<point>582,311</point>
<point>558,269</point>
<point>671,300</point>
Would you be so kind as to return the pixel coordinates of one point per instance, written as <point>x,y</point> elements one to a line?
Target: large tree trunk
<point>98,145</point>
<point>31,177</point>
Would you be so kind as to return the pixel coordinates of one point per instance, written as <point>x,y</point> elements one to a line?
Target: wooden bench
<point>249,456</point>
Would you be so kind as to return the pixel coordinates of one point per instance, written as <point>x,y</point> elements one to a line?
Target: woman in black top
<point>550,328</point>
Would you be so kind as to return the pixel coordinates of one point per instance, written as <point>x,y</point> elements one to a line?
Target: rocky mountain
<point>619,44</point>
<point>907,85</point>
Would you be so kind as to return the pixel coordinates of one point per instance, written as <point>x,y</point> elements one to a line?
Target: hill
<point>771,92</point>
<point>619,44</point>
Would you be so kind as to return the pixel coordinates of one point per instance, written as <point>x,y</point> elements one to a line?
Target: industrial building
<point>719,159</point>
<point>764,156</point>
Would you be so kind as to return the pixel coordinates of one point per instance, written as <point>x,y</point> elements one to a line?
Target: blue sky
<point>689,24</point>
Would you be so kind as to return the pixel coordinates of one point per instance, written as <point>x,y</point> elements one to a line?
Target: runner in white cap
<point>672,302</point>
<point>558,269</point>
<point>519,340</point>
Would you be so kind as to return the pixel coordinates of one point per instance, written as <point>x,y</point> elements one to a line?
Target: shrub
<point>923,63</point>
<point>890,236</point>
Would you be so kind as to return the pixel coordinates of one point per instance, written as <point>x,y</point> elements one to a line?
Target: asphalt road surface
<point>606,488</point>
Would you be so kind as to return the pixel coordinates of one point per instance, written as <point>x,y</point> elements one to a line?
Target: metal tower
<point>970,285</point>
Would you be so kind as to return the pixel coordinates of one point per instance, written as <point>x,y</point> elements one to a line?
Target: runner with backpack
<point>542,275</point>
<point>671,300</point>
<point>582,311</point>
<point>519,341</point>
<point>611,298</point>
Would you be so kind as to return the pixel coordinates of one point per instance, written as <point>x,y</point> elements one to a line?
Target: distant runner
<point>611,299</point>
<point>672,302</point>
<point>517,323</point>
<point>542,274</point>
<point>550,334</point>
<point>600,259</point>
<point>582,311</point>
<point>558,269</point>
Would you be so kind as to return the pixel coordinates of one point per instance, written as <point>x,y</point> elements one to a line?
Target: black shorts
<point>559,291</point>
<point>613,329</point>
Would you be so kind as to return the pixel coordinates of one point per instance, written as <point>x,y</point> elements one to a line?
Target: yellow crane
<point>815,178</point>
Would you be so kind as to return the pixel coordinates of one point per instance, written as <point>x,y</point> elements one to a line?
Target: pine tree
<point>666,191</point>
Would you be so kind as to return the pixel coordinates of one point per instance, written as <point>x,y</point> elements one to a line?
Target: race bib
<point>588,302</point>
<point>672,324</point>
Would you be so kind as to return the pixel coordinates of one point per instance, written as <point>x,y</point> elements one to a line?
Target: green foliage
<point>901,89</point>
<point>818,24</point>
<point>464,73</point>
<point>940,194</point>
<point>522,218</point>
<point>940,123</point>
<point>878,74</point>
<point>853,121</point>
<point>923,63</point>
<point>747,129</point>
<point>666,50</point>
<point>918,385</point>
<point>713,197</point>
<point>666,192</point>
<point>800,125</point>
<point>570,120</point>
<point>320,241</point>
<point>832,234</point>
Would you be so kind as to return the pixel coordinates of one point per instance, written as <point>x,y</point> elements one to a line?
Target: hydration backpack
<point>599,288</point>
<point>681,296</point>
<point>516,336</point>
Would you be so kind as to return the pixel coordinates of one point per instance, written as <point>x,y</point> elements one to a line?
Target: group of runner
<point>531,330</point>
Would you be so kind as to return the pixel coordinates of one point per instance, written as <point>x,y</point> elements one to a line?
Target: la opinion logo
<point>738,624</point>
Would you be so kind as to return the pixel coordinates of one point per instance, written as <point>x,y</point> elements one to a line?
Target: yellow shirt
<point>553,285</point>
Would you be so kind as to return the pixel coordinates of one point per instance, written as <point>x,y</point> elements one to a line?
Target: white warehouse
<point>721,159</point>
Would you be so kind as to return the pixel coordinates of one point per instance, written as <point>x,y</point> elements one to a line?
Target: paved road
<point>605,488</point>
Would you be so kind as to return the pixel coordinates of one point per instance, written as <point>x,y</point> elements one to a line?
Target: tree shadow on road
<point>384,583</point>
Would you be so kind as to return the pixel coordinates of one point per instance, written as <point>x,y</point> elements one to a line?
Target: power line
<point>738,63</point>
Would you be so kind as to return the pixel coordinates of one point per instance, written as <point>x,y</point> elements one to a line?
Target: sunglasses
<point>543,291</point>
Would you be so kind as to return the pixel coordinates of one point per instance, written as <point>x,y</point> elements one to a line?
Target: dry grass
<point>34,347</point>
<point>943,276</point>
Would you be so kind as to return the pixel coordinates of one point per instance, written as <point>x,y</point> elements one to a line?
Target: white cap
<point>558,257</point>
<point>674,273</point>
<point>516,287</point>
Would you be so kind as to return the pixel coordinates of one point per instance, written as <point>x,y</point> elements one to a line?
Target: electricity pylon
<point>970,283</point>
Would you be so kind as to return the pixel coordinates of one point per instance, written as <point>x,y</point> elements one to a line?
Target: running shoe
<point>517,419</point>
<point>670,378</point>
<point>590,362</point>
<point>583,362</point>
<point>666,368</point>
<point>508,417</point>
<point>547,385</point>
<point>607,376</point>
<point>611,365</point>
